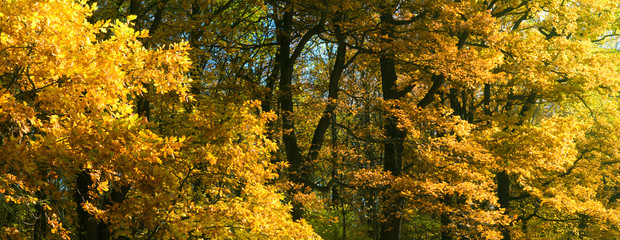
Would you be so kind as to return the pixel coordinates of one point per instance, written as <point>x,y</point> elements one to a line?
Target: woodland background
<point>308,119</point>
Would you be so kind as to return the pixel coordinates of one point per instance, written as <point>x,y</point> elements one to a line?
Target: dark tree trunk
<point>503,195</point>
<point>393,153</point>
<point>40,224</point>
<point>293,155</point>
<point>445,219</point>
<point>334,87</point>
<point>286,58</point>
<point>87,224</point>
<point>393,146</point>
<point>445,231</point>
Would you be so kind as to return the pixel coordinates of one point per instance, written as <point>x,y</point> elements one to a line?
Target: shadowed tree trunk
<point>503,195</point>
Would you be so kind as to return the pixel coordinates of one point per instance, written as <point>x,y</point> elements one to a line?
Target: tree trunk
<point>286,58</point>
<point>285,99</point>
<point>394,142</point>
<point>393,153</point>
<point>40,224</point>
<point>503,195</point>
<point>87,224</point>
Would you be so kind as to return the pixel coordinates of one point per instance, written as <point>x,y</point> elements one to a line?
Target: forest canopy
<point>305,119</point>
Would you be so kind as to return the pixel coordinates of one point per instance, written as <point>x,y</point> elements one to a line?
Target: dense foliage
<point>361,119</point>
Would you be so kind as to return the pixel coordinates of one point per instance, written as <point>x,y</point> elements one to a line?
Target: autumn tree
<point>72,86</point>
<point>471,70</point>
